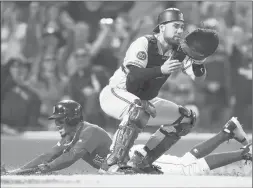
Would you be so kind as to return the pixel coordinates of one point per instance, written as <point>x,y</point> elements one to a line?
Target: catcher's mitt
<point>200,43</point>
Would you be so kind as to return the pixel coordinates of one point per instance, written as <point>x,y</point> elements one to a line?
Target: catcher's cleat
<point>235,130</point>
<point>247,152</point>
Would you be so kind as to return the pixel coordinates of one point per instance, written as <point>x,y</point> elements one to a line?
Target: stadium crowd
<point>68,50</point>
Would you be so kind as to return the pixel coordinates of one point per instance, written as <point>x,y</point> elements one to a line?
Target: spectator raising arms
<point>20,105</point>
<point>49,84</point>
<point>85,85</point>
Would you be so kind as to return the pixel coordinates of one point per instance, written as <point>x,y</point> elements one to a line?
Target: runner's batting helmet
<point>69,110</point>
<point>169,15</point>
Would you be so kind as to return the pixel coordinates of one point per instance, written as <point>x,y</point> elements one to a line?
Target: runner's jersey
<point>95,140</point>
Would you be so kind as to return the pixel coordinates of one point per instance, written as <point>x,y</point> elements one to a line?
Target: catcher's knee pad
<point>140,112</point>
<point>183,129</point>
<point>131,125</point>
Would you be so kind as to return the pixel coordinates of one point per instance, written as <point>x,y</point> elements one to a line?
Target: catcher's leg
<point>115,102</point>
<point>232,129</point>
<point>167,112</point>
<point>162,140</point>
<point>131,125</point>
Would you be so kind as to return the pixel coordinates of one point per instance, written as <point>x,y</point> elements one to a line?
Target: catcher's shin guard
<point>162,140</point>
<point>131,125</point>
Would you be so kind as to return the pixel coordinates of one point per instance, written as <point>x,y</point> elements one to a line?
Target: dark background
<point>67,50</point>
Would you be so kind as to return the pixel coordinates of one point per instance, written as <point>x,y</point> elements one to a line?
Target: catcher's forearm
<point>143,74</point>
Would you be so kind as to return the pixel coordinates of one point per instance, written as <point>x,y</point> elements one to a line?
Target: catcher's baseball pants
<point>115,102</point>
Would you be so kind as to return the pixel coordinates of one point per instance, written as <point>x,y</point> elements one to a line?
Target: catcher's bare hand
<point>170,66</point>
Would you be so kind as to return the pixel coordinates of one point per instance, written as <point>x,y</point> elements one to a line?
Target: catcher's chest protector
<point>150,89</point>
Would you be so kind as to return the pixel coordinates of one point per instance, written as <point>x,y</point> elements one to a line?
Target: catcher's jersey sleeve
<point>137,53</point>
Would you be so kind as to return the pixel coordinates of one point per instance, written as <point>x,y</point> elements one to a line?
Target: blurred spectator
<point>241,84</point>
<point>49,84</point>
<point>243,14</point>
<point>13,31</point>
<point>31,47</point>
<point>48,34</point>
<point>51,34</point>
<point>20,106</point>
<point>216,89</point>
<point>55,29</point>
<point>123,33</point>
<point>91,19</point>
<point>84,11</point>
<point>193,16</point>
<point>116,36</point>
<point>85,85</point>
<point>179,89</point>
<point>100,51</point>
<point>91,12</point>
<point>246,68</point>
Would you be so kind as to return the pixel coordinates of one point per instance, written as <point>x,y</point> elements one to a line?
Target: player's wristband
<point>198,69</point>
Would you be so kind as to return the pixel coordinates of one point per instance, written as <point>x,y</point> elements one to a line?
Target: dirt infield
<point>124,181</point>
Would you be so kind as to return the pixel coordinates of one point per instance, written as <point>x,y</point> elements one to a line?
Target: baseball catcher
<point>131,95</point>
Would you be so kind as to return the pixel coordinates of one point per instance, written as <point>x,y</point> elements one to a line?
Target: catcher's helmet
<point>169,15</point>
<point>70,110</point>
<point>200,43</point>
